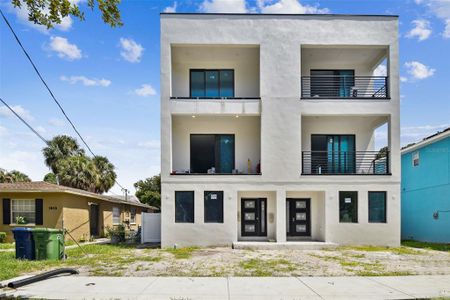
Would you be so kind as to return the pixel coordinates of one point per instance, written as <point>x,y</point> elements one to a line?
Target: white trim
<point>426,142</point>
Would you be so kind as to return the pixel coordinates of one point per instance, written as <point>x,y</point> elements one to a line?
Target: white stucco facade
<point>272,124</point>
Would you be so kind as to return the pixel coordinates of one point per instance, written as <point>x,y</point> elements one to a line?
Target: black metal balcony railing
<point>341,86</point>
<point>345,163</point>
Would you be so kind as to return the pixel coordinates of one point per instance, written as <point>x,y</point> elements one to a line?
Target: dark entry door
<point>298,213</point>
<point>93,220</point>
<point>254,217</point>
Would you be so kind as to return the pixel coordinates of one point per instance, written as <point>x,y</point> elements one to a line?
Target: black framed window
<point>213,206</point>
<point>212,152</point>
<point>211,83</point>
<point>377,207</point>
<point>348,207</point>
<point>184,207</point>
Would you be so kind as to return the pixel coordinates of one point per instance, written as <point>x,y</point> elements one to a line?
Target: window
<point>212,152</point>
<point>211,83</point>
<point>116,215</point>
<point>415,158</point>
<point>184,207</point>
<point>348,207</point>
<point>213,207</point>
<point>377,207</point>
<point>133,215</point>
<point>23,211</point>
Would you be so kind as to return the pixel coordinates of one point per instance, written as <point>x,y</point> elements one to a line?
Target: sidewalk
<point>295,288</point>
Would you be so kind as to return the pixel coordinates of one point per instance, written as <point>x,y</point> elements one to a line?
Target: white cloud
<point>418,70</point>
<point>41,129</point>
<point>410,134</point>
<point>56,122</point>
<point>86,81</point>
<point>153,144</point>
<point>223,6</point>
<point>64,49</point>
<point>145,90</point>
<point>289,7</point>
<point>446,33</point>
<point>25,114</point>
<point>3,131</point>
<point>403,79</point>
<point>421,30</point>
<point>171,9</point>
<point>131,51</point>
<point>440,9</point>
<point>381,70</point>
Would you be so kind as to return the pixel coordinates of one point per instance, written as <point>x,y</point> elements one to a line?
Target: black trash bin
<point>24,243</point>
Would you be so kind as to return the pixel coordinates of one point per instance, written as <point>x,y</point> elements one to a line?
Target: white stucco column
<point>281,216</point>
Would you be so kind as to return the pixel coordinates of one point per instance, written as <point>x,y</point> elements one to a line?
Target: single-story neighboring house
<point>83,214</point>
<point>426,189</point>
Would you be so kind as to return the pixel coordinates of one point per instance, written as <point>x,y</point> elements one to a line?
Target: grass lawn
<point>7,246</point>
<point>129,260</point>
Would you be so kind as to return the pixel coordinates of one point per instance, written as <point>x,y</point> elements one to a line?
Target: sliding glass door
<point>211,83</point>
<point>332,83</point>
<point>333,154</point>
<point>212,151</point>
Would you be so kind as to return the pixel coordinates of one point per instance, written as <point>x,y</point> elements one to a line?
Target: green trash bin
<point>49,243</point>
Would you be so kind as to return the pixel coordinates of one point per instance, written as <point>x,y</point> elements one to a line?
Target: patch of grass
<point>7,246</point>
<point>426,245</point>
<point>182,253</point>
<point>394,250</point>
<point>266,267</point>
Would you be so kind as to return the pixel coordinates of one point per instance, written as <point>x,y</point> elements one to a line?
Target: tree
<point>13,176</point>
<point>105,172</point>
<point>50,178</point>
<point>78,172</point>
<point>51,12</point>
<point>149,190</point>
<point>59,148</point>
<point>382,152</point>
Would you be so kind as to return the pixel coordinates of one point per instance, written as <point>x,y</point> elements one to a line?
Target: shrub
<point>2,237</point>
<point>116,233</point>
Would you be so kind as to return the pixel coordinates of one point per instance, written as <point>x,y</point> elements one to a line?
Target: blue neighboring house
<point>426,189</point>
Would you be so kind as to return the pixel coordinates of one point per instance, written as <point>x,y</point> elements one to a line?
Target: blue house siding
<point>426,190</point>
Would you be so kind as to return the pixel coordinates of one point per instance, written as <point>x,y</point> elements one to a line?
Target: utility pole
<point>126,191</point>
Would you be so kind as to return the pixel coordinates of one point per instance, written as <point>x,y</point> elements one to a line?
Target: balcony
<point>216,145</point>
<point>345,163</point>
<point>344,72</point>
<point>344,87</point>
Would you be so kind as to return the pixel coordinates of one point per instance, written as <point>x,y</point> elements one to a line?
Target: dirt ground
<point>342,261</point>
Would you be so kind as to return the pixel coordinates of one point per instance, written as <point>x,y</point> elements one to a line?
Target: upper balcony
<point>344,73</point>
<point>224,72</point>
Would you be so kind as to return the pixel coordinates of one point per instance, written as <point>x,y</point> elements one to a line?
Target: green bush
<point>2,237</point>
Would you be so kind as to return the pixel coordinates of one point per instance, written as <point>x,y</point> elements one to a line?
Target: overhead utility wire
<point>48,88</point>
<point>45,83</point>
<point>24,122</point>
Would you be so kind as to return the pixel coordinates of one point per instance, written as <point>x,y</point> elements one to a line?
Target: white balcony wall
<point>363,127</point>
<point>244,60</point>
<point>246,130</point>
<point>361,59</point>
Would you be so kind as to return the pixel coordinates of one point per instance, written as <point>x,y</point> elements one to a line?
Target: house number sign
<point>52,207</point>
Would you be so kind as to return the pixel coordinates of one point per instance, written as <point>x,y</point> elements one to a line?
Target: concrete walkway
<point>288,288</point>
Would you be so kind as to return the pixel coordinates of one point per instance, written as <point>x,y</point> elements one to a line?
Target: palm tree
<point>50,178</point>
<point>59,148</point>
<point>106,174</point>
<point>78,172</point>
<point>13,176</point>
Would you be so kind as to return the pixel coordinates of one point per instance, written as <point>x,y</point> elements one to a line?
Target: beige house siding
<point>72,212</point>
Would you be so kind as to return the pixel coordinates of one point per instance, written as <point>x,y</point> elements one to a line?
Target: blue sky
<point>107,79</point>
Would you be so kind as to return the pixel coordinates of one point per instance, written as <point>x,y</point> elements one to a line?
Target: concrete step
<point>297,245</point>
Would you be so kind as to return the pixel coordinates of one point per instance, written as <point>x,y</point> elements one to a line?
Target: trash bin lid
<point>54,230</point>
<point>40,229</point>
<point>21,229</point>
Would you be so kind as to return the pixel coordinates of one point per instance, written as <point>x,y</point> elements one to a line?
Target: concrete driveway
<point>82,287</point>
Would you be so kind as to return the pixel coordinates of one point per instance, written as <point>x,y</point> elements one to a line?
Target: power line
<point>24,122</point>
<point>49,90</point>
<point>44,82</point>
